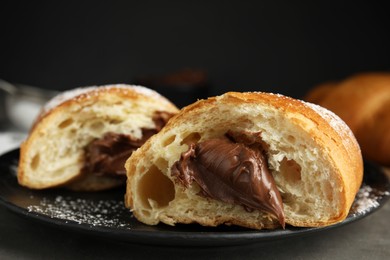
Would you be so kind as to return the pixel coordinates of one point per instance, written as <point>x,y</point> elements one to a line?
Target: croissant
<point>363,102</point>
<point>83,136</point>
<point>256,160</point>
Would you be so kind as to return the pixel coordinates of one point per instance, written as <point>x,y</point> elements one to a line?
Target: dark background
<point>278,46</point>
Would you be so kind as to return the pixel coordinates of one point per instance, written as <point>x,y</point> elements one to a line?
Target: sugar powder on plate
<point>109,213</point>
<point>367,199</point>
<point>105,213</point>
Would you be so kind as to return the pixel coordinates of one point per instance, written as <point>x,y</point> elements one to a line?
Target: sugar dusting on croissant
<point>83,136</point>
<point>205,166</point>
<point>363,102</point>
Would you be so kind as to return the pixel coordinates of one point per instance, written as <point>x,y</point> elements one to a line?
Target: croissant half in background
<point>83,137</point>
<point>257,160</point>
<point>363,102</point>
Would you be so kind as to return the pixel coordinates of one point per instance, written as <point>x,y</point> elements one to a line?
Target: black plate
<point>103,213</point>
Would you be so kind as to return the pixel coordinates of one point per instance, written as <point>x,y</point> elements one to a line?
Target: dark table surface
<point>23,238</point>
<point>368,238</point>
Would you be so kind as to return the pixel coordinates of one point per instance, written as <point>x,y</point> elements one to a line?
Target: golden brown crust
<point>326,130</point>
<point>110,105</point>
<point>90,95</point>
<point>362,101</point>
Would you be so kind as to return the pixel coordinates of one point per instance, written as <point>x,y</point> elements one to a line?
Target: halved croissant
<point>257,160</point>
<point>83,137</point>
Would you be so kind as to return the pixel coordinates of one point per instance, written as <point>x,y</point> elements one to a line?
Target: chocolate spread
<point>233,170</point>
<point>108,154</point>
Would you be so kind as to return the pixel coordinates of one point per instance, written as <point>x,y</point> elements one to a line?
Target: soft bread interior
<point>54,153</point>
<point>303,170</point>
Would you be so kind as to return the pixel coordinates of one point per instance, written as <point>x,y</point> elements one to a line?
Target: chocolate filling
<point>232,169</point>
<point>108,155</point>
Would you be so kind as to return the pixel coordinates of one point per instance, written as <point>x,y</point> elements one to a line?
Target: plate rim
<point>181,238</point>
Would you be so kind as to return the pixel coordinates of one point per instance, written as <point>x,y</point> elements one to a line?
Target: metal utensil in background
<point>21,104</point>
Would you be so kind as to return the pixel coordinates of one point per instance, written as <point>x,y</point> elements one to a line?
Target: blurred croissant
<point>363,102</point>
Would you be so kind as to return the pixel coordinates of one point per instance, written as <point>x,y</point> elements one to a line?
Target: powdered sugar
<point>93,90</point>
<point>333,120</point>
<point>367,199</point>
<point>113,214</point>
<point>336,123</point>
<point>107,213</point>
